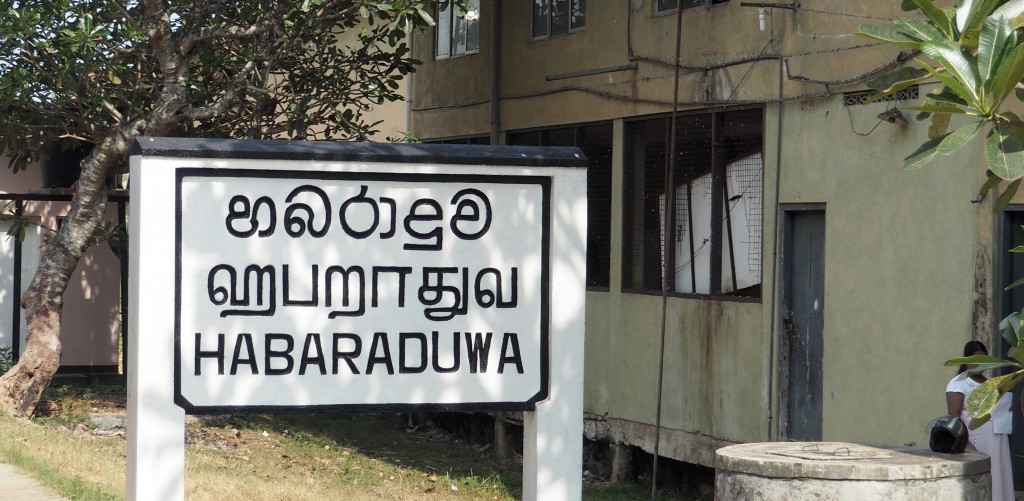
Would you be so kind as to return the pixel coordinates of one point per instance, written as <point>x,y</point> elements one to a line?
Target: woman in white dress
<point>984,439</point>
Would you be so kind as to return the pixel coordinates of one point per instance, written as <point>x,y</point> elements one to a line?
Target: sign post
<point>274,276</point>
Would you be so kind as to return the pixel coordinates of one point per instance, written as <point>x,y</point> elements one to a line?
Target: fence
<point>18,263</point>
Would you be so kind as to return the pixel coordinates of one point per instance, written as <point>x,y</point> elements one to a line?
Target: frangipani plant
<point>983,399</point>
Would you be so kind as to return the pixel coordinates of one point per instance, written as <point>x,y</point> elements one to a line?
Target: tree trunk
<point>22,386</point>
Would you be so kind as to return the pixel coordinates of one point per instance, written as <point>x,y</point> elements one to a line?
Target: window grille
<point>664,6</point>
<point>716,243</point>
<point>558,17</point>
<point>596,142</point>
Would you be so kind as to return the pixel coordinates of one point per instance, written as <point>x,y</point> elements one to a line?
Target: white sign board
<point>277,276</point>
<point>313,289</point>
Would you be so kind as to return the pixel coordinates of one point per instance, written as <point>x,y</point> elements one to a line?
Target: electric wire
<point>842,14</point>
<point>736,87</point>
<point>868,133</point>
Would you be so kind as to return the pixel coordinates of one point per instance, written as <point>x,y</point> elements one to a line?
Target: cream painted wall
<point>22,181</point>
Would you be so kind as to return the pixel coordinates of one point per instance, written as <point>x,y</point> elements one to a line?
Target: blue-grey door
<point>802,322</point>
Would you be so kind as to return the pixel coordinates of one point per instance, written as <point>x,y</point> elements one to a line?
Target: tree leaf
<point>955,140</point>
<point>958,63</point>
<point>1009,327</point>
<point>964,97</point>
<point>971,13</point>
<point>992,48</point>
<point>976,360</point>
<point>991,182</point>
<point>1008,74</point>
<point>978,421</point>
<point>944,145</point>
<point>1014,284</point>
<point>898,80</point>
<point>944,95</point>
<point>1004,152</point>
<point>874,32</point>
<point>983,398</point>
<point>937,16</point>
<point>425,16</point>
<point>1012,10</point>
<point>981,368</point>
<point>1006,196</point>
<point>940,108</point>
<point>939,123</point>
<point>915,27</point>
<point>924,154</point>
<point>1009,381</point>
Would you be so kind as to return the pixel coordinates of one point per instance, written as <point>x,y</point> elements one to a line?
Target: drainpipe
<point>502,443</point>
<point>772,328</point>
<point>495,71</point>
<point>408,95</point>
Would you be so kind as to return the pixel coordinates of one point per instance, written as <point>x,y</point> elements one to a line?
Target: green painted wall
<point>908,257</point>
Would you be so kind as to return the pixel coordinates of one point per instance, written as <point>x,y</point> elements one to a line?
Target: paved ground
<point>17,486</point>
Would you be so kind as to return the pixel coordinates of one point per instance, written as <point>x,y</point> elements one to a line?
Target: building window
<point>460,140</point>
<point>671,5</point>
<point>458,33</point>
<point>596,142</point>
<point>558,17</point>
<point>715,243</point>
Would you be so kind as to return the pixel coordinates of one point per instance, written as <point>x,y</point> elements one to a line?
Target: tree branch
<point>226,100</point>
<point>225,31</point>
<point>161,39</point>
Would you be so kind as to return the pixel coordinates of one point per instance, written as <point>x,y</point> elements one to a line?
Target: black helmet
<point>949,435</point>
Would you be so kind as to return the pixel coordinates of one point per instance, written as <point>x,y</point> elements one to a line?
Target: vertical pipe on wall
<point>495,71</point>
<point>669,208</point>
<point>16,288</point>
<point>122,219</point>
<point>772,328</point>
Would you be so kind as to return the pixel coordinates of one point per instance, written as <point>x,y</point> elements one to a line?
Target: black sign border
<point>471,179</point>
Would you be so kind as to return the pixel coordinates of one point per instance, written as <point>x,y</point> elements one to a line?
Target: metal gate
<point>18,263</point>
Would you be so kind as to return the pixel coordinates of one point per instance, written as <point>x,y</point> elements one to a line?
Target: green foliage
<point>975,53</point>
<point>19,222</point>
<point>6,359</point>
<point>78,70</point>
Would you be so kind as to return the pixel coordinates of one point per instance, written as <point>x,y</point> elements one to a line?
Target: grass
<point>361,456</point>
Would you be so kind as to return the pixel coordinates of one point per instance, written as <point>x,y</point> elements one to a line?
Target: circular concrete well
<point>841,471</point>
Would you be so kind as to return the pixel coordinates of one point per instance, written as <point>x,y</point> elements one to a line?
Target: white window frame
<point>573,6</point>
<point>452,40</point>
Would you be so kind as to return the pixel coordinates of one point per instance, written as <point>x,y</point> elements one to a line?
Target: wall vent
<point>861,97</point>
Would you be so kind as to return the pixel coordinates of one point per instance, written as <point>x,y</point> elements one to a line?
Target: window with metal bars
<point>665,6</point>
<point>558,17</point>
<point>596,142</point>
<point>714,245</point>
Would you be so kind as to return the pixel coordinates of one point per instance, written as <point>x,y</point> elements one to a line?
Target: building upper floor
<point>621,55</point>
